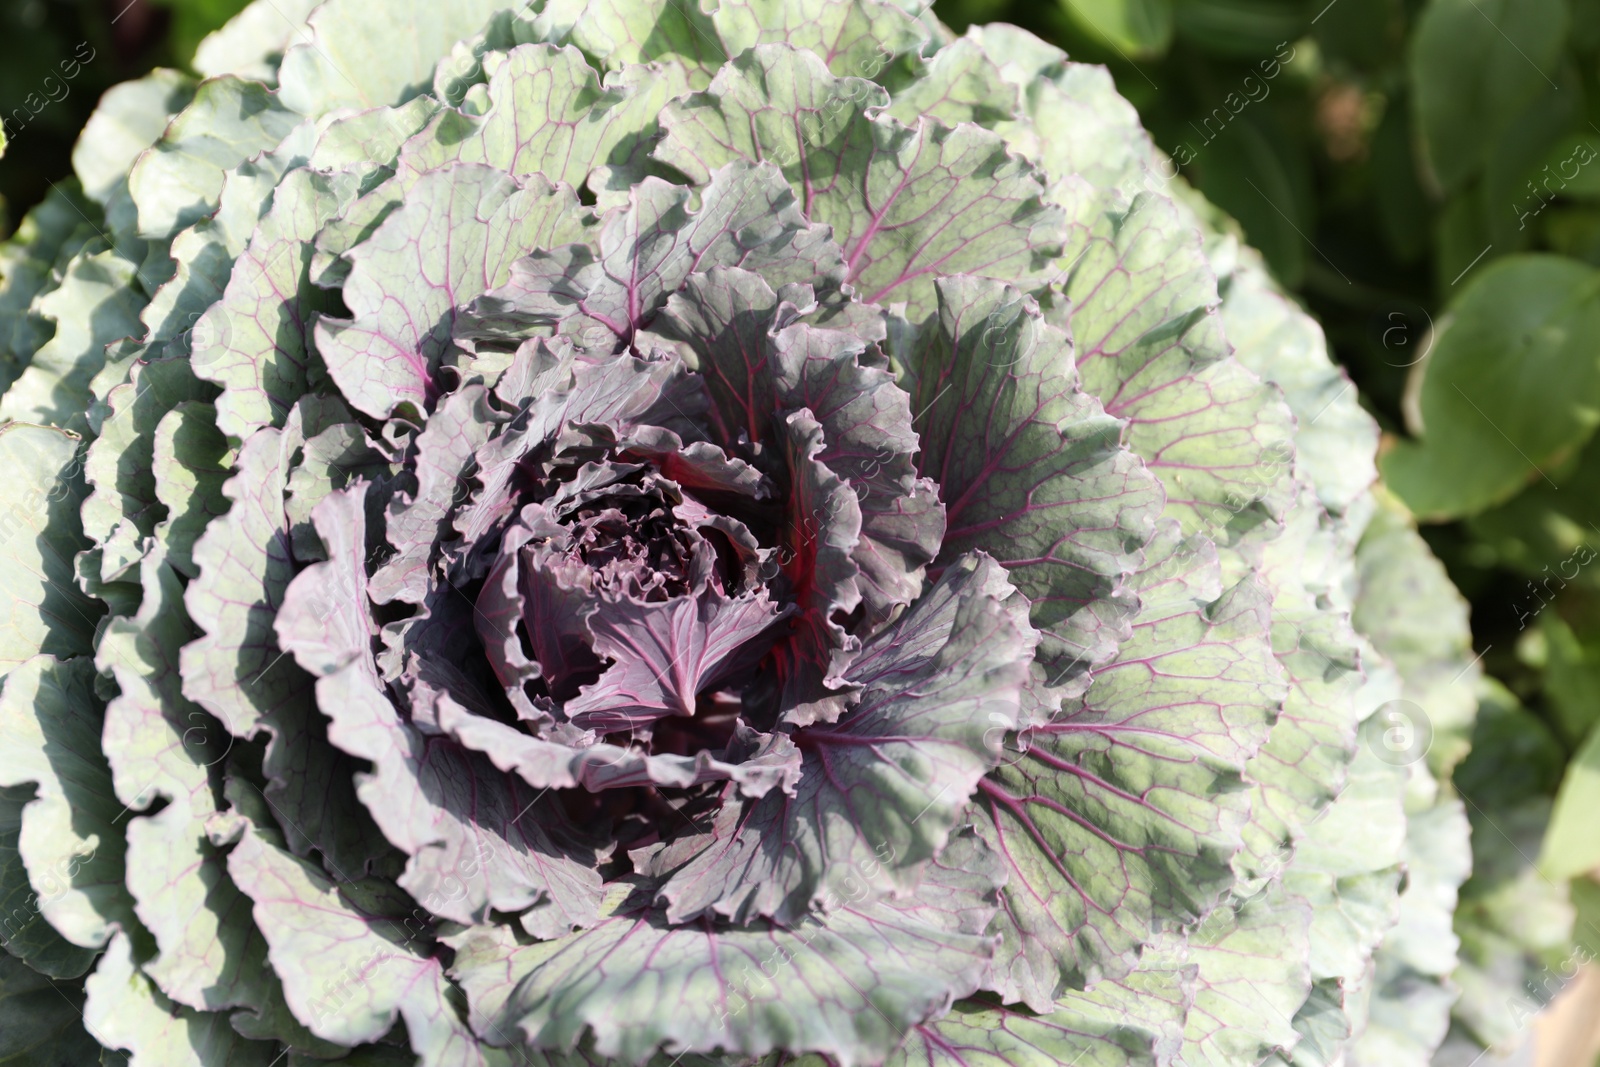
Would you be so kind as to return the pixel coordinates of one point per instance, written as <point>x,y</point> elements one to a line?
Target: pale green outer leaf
<point>960,83</point>
<point>160,744</point>
<point>1148,336</point>
<point>1253,977</point>
<point>1438,859</point>
<point>1323,1026</point>
<point>245,566</point>
<point>236,671</point>
<point>1041,482</point>
<point>1348,867</point>
<point>96,303</point>
<point>1416,618</point>
<point>41,609</point>
<point>1130,1023</point>
<point>976,1034</point>
<point>1408,1019</point>
<point>24,931</point>
<point>550,114</point>
<point>253,342</point>
<point>1122,814</point>
<point>69,839</point>
<point>123,509</point>
<point>620,32</point>
<point>125,1011</point>
<point>1335,440</point>
<point>191,461</point>
<point>906,204</point>
<point>855,38</point>
<point>179,178</point>
<point>128,120</point>
<point>848,987</point>
<point>41,1024</point>
<point>1509,388</point>
<point>347,974</point>
<point>1302,765</point>
<point>347,58</point>
<point>251,44</point>
<point>1071,119</point>
<point>54,229</point>
<point>205,252</point>
<point>454,237</point>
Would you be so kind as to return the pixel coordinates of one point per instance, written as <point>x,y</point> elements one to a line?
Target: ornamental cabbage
<point>629,532</point>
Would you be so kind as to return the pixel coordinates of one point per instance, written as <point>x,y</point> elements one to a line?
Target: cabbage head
<point>643,532</point>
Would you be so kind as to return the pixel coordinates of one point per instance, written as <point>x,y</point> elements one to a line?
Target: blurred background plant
<point>1425,176</point>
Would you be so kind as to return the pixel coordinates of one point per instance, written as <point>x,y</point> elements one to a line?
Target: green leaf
<point>253,342</point>
<point>41,1022</point>
<point>1047,459</point>
<point>1140,27</point>
<point>252,43</point>
<point>129,119</point>
<point>124,1010</point>
<point>69,851</point>
<point>346,58</point>
<point>1121,816</point>
<point>1141,298</point>
<point>1511,386</point>
<point>550,114</point>
<point>848,987</point>
<point>179,179</point>
<point>906,204</point>
<point>160,744</point>
<point>348,973</point>
<point>406,287</point>
<point>41,609</point>
<point>96,303</point>
<point>857,38</point>
<point>1474,65</point>
<point>1571,847</point>
<point>621,32</point>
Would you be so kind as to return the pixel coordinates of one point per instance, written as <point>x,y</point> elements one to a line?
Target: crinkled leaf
<point>550,114</point>
<point>1143,311</point>
<point>159,744</point>
<point>254,341</point>
<point>881,789</point>
<point>907,204</point>
<point>39,536</point>
<point>64,882</point>
<point>124,1010</point>
<point>649,245</point>
<point>855,38</point>
<point>96,303</point>
<point>348,973</point>
<point>346,58</point>
<point>1040,478</point>
<point>180,177</point>
<point>455,236</point>
<point>848,987</point>
<point>236,671</point>
<point>477,838</point>
<point>1122,814</point>
<point>129,119</point>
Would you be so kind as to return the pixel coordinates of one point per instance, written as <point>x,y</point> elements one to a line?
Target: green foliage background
<point>1425,175</point>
